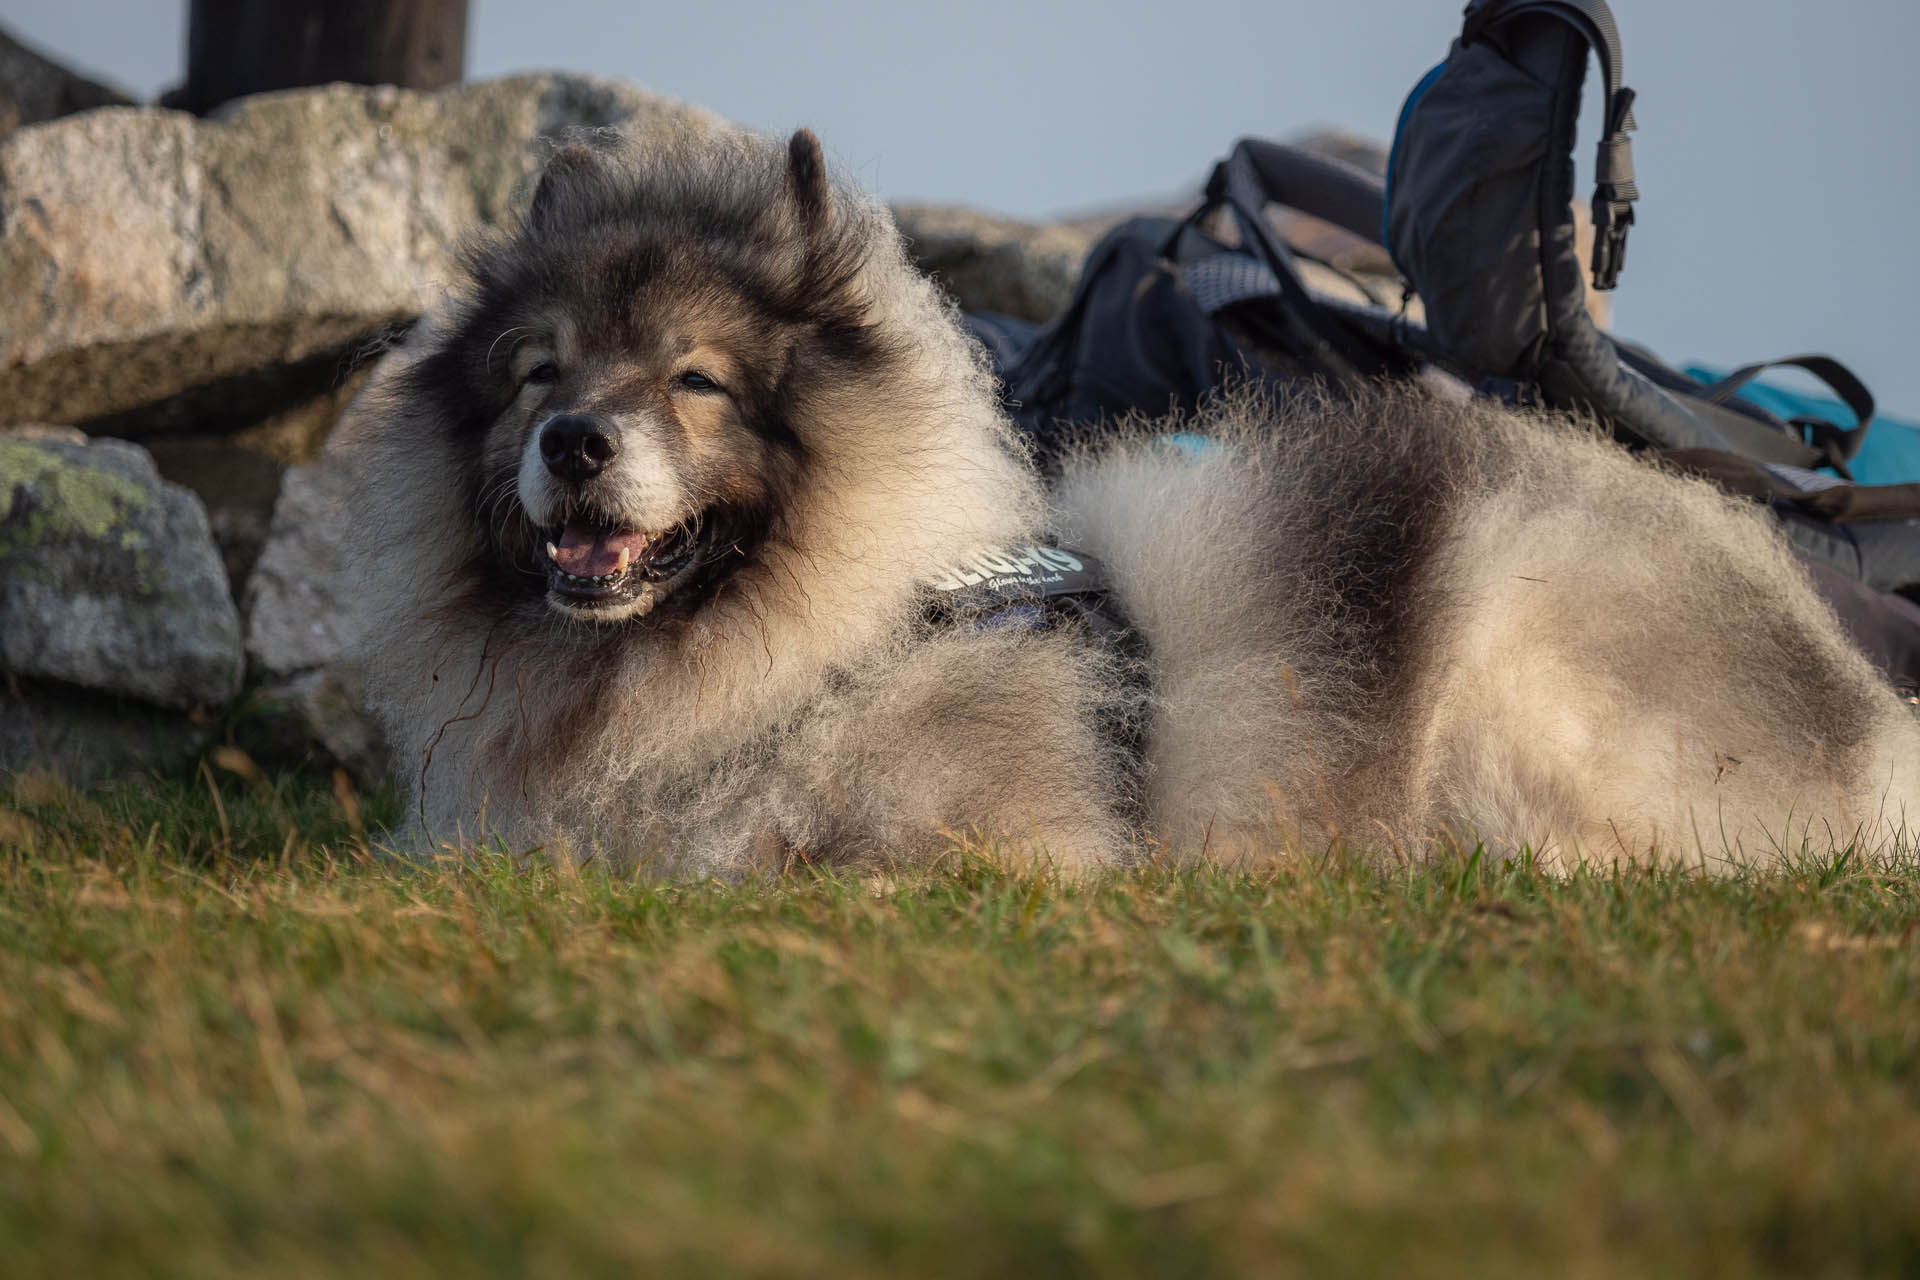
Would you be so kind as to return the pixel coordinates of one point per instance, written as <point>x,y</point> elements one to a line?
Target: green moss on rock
<point>80,501</point>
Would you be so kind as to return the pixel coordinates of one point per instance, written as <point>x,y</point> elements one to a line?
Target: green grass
<point>230,1043</point>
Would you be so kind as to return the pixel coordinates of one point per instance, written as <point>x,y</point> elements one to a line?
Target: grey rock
<point>42,431</point>
<point>108,575</point>
<point>238,475</point>
<point>317,716</point>
<point>305,621</point>
<point>1024,269</point>
<point>237,485</point>
<point>85,737</point>
<point>33,88</point>
<point>302,609</point>
<point>165,272</point>
<point>1356,149</point>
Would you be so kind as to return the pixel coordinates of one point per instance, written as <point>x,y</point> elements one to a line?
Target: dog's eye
<point>545,371</point>
<point>694,380</point>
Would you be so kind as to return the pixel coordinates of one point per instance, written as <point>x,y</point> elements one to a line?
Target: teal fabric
<point>1889,455</point>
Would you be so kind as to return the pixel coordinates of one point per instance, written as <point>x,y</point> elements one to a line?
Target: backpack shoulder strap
<point>1811,494</point>
<point>1614,187</point>
<point>1256,174</point>
<point>1834,443</point>
<point>1321,186</point>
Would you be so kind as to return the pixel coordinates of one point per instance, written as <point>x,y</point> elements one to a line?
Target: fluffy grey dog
<point>654,510</point>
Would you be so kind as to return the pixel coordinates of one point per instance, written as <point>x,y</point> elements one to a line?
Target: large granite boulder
<point>317,717</point>
<point>990,263</point>
<point>109,579</point>
<point>167,273</point>
<point>33,88</point>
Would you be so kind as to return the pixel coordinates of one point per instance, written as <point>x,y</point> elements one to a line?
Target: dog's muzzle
<point>602,562</point>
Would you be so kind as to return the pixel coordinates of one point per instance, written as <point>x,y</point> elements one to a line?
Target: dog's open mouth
<point>595,568</point>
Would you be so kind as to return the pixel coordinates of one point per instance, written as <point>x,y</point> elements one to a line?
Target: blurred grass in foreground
<point>231,1043</point>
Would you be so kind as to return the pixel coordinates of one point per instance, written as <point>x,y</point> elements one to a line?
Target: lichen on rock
<point>63,501</point>
<point>109,579</point>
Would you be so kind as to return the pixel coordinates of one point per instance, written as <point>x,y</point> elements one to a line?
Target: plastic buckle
<point>1611,220</point>
<point>1826,439</point>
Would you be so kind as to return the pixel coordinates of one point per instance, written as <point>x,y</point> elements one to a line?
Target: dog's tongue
<point>586,552</point>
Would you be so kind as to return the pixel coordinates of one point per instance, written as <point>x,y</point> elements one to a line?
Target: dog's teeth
<point>626,558</point>
<point>553,552</point>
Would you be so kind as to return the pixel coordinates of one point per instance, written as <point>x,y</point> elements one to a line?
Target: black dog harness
<point>1031,587</point>
<point>1035,587</point>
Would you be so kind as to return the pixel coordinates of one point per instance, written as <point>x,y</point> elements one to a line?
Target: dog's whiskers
<point>501,337</point>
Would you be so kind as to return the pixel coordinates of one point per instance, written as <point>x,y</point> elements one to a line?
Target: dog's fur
<point>1381,617</point>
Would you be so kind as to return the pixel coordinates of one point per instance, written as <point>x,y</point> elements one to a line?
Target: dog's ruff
<point>651,512</point>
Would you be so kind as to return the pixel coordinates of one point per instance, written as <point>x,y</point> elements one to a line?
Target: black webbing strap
<point>1835,444</point>
<point>991,581</point>
<point>1239,183</point>
<point>1040,588</point>
<point>1614,189</point>
<point>1323,187</point>
<point>1838,501</point>
<point>1592,17</point>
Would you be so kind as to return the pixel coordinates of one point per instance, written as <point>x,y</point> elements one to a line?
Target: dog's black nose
<point>577,446</point>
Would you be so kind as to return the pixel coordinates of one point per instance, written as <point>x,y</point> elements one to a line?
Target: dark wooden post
<point>237,47</point>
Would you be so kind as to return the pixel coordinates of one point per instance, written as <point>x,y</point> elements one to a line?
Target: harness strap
<point>1037,588</point>
<point>1016,575</point>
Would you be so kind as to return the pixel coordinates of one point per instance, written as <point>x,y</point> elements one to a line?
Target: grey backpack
<point>1479,218</point>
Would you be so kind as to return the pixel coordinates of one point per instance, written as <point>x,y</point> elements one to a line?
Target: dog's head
<point>629,379</point>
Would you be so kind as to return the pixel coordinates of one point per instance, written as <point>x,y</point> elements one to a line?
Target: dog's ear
<point>807,170</point>
<point>571,168</point>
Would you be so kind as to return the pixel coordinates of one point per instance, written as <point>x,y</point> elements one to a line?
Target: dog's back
<point>1383,616</point>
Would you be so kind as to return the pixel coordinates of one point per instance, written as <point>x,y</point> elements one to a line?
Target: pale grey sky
<point>1777,154</point>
